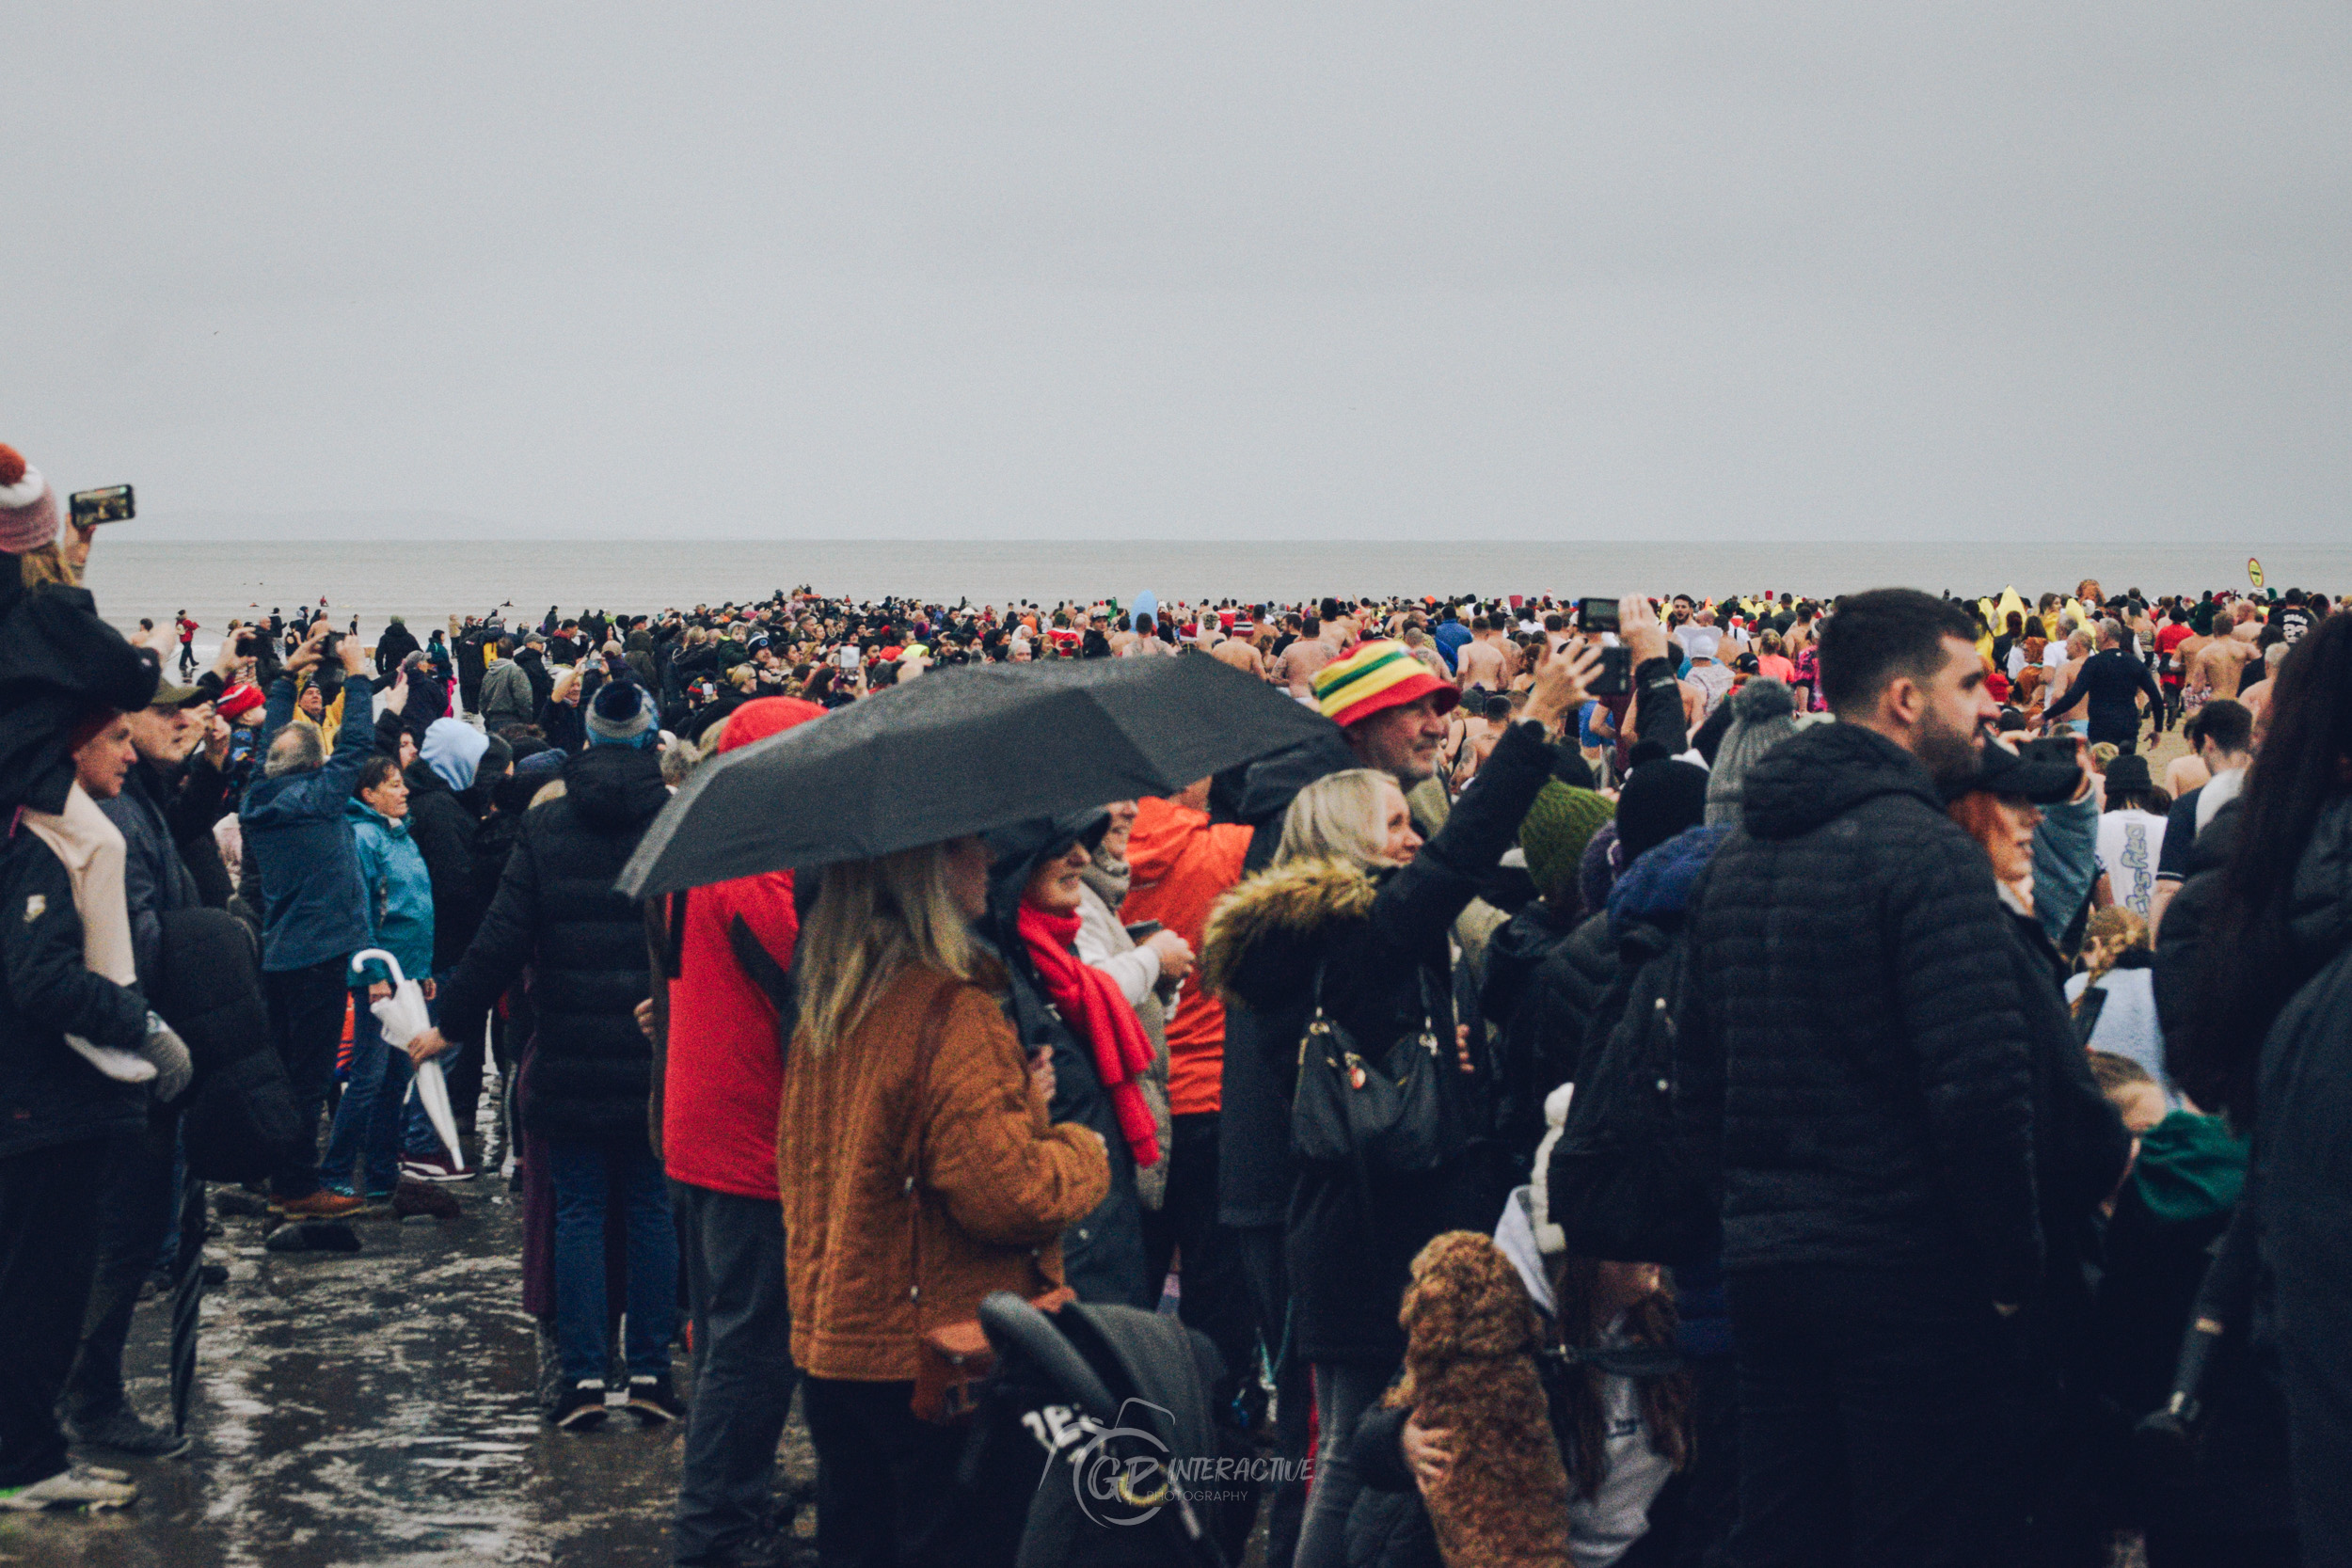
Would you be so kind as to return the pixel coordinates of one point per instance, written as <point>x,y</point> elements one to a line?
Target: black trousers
<point>886,1492</point>
<point>48,1197</point>
<point>306,1022</point>
<point>1216,1288</point>
<point>1878,1419</point>
<point>732,1251</point>
<point>1268,1271</point>
<point>464,1079</point>
<point>137,1207</point>
<point>1710,1507</point>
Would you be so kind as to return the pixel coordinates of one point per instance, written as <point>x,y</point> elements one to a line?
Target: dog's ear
<point>1442,1298</point>
<point>1491,1315</point>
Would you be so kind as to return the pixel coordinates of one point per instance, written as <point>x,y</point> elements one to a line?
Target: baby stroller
<point>1106,1413</point>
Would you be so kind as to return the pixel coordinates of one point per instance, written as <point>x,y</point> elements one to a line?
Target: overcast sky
<point>1210,271</point>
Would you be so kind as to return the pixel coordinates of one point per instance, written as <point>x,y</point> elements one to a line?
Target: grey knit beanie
<point>620,715</point>
<point>1763,714</point>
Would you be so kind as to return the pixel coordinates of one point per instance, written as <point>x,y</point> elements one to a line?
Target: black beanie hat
<point>1659,799</point>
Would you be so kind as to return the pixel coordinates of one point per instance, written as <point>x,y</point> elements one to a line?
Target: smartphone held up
<point>1596,616</point>
<point>112,504</point>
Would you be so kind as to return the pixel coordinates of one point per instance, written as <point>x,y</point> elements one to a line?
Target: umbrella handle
<point>359,961</point>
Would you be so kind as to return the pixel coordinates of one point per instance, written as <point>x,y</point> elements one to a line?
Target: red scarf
<point>1092,1005</point>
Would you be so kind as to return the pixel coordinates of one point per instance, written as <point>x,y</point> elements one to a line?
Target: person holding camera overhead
<point>1356,912</point>
<point>312,898</point>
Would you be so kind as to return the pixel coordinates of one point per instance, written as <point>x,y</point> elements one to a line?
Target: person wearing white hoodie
<point>1626,1427</point>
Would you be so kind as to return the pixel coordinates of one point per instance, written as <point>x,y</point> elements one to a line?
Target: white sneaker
<point>434,1167</point>
<point>87,1486</point>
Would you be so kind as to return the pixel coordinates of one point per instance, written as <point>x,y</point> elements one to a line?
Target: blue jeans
<point>583,1173</point>
<point>377,1120</point>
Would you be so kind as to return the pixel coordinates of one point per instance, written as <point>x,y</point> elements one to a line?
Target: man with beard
<point>1853,1053</point>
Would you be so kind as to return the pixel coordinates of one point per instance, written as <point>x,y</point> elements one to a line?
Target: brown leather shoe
<point>320,1205</point>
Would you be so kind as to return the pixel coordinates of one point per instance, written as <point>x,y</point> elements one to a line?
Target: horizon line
<point>2236,539</point>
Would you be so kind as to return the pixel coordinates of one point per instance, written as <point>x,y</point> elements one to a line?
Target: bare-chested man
<point>2255,693</point>
<point>1241,655</point>
<point>1480,661</point>
<point>2220,665</point>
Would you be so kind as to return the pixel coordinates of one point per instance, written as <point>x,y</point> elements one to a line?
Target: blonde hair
<point>1338,819</point>
<point>871,919</point>
<point>43,566</point>
<point>2109,934</point>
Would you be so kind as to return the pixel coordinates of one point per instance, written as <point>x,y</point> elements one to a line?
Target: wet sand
<point>377,1408</point>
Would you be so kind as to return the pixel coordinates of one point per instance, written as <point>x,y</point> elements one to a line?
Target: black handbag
<point>1385,1112</point>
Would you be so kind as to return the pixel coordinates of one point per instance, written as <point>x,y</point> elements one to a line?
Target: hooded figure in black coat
<point>1102,1255</point>
<point>396,644</point>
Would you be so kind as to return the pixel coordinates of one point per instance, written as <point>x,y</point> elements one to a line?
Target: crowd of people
<point>1914,1125</point>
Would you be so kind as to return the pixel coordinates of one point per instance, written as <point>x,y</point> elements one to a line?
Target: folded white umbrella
<point>433,1090</point>
<point>401,1017</point>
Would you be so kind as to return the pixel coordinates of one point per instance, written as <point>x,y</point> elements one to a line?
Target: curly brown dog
<point>1470,1367</point>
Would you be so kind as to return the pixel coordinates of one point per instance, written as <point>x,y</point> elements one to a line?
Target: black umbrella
<point>961,751</point>
<point>187,1299</point>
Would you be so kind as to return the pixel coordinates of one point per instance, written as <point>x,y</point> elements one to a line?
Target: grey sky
<point>1213,271</point>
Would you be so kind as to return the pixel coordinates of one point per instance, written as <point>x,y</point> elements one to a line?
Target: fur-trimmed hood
<point>1293,902</point>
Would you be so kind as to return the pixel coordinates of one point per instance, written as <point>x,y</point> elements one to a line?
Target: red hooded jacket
<point>1181,864</point>
<point>725,1066</point>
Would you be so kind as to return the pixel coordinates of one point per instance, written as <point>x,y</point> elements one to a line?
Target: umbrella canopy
<point>961,751</point>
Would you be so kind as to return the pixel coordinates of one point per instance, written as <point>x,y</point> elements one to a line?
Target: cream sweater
<point>92,850</point>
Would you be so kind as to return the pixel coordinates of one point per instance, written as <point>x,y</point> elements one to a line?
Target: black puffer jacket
<point>1378,939</point>
<point>443,824</point>
<point>240,1118</point>
<point>1853,1056</point>
<point>48,1093</point>
<point>556,910</point>
<point>155,881</point>
<point>2303,1181</point>
<point>1545,974</point>
<point>57,661</point>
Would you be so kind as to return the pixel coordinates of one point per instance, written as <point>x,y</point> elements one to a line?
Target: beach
<point>136,574</point>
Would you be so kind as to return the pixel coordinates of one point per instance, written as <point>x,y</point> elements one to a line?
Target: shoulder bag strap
<point>760,966</point>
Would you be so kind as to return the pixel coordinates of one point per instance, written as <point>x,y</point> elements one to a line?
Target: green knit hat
<point>1557,829</point>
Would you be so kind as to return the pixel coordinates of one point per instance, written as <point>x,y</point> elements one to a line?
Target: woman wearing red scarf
<point>1088,1000</point>
<point>1058,1004</point>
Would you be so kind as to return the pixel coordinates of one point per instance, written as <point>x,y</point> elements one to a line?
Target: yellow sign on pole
<point>2254,571</point>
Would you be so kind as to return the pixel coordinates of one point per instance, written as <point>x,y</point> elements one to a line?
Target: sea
<point>426,582</point>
